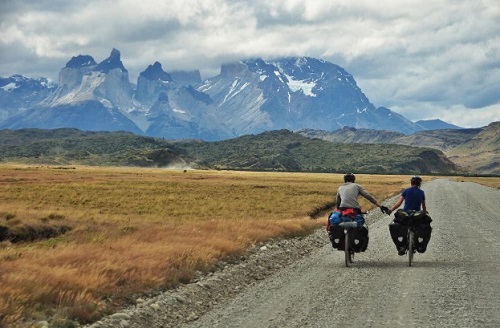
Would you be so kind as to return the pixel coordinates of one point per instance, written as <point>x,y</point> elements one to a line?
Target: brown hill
<point>475,150</point>
<point>481,154</point>
<point>353,135</point>
<point>444,139</point>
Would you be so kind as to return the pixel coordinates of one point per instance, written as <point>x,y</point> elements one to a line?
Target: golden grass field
<point>135,231</point>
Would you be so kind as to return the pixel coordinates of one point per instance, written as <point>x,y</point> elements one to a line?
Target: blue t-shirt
<point>414,196</point>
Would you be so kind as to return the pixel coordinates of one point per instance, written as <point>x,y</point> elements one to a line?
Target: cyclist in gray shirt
<point>347,195</point>
<point>347,205</point>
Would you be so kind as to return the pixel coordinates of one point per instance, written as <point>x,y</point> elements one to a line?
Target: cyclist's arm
<point>424,207</point>
<point>400,201</point>
<point>367,195</point>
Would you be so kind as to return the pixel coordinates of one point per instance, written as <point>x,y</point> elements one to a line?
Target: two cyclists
<point>347,205</point>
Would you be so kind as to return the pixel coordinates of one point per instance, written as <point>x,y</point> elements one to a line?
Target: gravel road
<point>304,282</point>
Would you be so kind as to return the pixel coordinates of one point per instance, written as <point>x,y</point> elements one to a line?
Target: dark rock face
<point>112,62</point>
<point>81,61</point>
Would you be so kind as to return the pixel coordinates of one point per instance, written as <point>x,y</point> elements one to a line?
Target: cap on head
<point>416,180</point>
<point>349,177</point>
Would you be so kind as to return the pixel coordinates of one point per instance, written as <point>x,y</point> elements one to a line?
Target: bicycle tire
<point>411,246</point>
<point>347,251</point>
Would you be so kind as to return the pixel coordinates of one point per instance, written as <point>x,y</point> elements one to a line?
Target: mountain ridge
<point>278,150</point>
<point>436,124</point>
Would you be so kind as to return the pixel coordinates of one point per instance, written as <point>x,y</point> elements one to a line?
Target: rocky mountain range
<point>247,97</point>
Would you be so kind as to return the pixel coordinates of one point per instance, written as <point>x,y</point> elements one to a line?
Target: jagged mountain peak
<point>151,82</point>
<point>16,78</point>
<point>81,61</point>
<point>300,67</point>
<point>301,64</point>
<point>300,74</point>
<point>156,73</point>
<point>309,69</point>
<point>112,62</point>
<point>263,68</point>
<point>294,93</point>
<point>81,81</point>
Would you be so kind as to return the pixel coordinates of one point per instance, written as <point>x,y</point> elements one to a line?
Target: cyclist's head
<point>416,180</point>
<point>349,177</point>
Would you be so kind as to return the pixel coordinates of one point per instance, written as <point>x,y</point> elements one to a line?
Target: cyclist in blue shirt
<point>414,199</point>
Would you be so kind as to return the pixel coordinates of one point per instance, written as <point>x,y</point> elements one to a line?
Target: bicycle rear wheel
<point>411,246</point>
<point>347,249</point>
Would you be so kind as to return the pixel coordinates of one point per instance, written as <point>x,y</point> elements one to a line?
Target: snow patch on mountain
<point>278,75</point>
<point>106,103</point>
<point>234,91</point>
<point>9,87</point>
<point>301,85</point>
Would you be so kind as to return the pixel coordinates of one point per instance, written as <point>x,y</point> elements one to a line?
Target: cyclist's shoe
<point>401,251</point>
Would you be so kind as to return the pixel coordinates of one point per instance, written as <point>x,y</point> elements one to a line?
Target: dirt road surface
<point>456,283</point>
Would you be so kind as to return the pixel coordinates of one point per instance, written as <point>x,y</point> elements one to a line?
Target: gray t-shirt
<point>347,195</point>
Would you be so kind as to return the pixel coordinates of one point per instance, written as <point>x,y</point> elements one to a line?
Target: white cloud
<point>470,118</point>
<point>457,114</point>
<point>420,59</point>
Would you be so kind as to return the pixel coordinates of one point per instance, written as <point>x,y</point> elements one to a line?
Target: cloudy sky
<point>422,59</point>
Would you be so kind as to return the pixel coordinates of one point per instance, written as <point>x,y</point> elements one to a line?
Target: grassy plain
<point>135,231</point>
<point>493,182</point>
